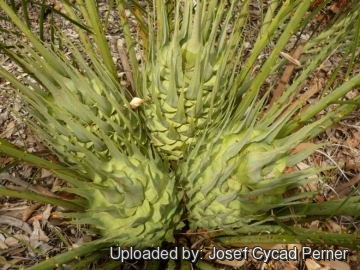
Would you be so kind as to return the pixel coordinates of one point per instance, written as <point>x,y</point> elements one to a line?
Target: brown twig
<point>286,76</point>
<point>126,65</point>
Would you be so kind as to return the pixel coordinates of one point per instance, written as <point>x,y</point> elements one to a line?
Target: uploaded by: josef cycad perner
<point>257,253</point>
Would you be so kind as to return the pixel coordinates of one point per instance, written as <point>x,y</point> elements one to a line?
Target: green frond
<point>212,137</point>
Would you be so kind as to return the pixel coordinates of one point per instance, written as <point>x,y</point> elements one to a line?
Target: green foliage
<point>212,124</point>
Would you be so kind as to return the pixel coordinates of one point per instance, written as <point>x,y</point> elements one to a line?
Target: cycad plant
<point>207,133</point>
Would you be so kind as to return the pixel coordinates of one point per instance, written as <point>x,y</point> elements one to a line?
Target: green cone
<point>184,79</point>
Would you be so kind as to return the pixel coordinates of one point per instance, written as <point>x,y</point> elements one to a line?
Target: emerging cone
<point>184,78</point>
<point>235,178</point>
<point>132,201</point>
